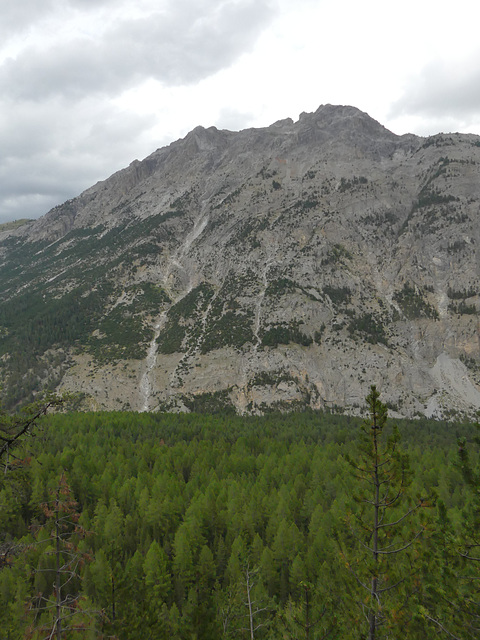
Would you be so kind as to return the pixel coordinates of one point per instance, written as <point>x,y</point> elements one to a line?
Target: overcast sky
<point>87,86</point>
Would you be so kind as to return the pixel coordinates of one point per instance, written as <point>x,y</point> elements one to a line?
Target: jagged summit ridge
<point>288,266</point>
<point>329,123</point>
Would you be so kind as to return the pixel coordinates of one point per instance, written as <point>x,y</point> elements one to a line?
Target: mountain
<point>275,268</point>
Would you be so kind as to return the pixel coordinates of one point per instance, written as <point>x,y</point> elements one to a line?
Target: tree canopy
<point>193,516</point>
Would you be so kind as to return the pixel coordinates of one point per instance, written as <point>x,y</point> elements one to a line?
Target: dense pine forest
<point>296,526</point>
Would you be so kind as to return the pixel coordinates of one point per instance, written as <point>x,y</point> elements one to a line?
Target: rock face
<point>282,267</point>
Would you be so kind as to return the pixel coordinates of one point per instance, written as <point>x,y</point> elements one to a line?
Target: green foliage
<point>230,199</point>
<point>121,337</point>
<point>41,320</point>
<point>346,184</point>
<point>310,202</point>
<point>208,320</point>
<point>469,542</point>
<point>438,140</point>
<point>317,336</point>
<point>337,255</point>
<point>462,308</point>
<point>171,339</point>
<point>380,525</point>
<point>279,287</point>
<point>370,328</point>
<point>181,315</point>
<point>459,302</point>
<point>449,601</point>
<point>210,403</point>
<point>429,197</point>
<point>413,303</point>
<point>149,297</point>
<point>46,324</point>
<point>231,329</point>
<point>177,504</point>
<point>16,428</point>
<point>270,378</point>
<point>285,334</point>
<point>57,608</point>
<point>338,295</point>
<point>461,294</point>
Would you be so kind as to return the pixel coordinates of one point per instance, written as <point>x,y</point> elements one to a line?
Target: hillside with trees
<point>278,268</point>
<point>309,525</point>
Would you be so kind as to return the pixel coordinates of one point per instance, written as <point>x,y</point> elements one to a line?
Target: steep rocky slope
<point>270,268</point>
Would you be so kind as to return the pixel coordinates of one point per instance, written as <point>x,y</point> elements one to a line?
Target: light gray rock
<point>337,255</point>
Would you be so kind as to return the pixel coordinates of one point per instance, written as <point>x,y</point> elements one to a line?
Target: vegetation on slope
<point>192,516</point>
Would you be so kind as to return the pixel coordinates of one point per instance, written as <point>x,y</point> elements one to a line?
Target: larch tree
<point>382,527</point>
<point>57,608</point>
<point>16,431</point>
<point>469,545</point>
<point>16,428</point>
<point>309,617</point>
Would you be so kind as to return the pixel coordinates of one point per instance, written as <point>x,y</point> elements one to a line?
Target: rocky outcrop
<point>281,267</point>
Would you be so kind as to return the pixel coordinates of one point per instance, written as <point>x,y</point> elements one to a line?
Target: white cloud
<point>443,88</point>
<point>62,122</point>
<point>17,16</point>
<point>179,46</point>
<point>53,150</point>
<point>86,86</point>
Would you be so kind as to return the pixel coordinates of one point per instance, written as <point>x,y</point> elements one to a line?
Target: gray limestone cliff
<point>272,268</point>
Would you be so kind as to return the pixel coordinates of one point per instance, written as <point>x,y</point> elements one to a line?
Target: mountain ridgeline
<point>266,269</point>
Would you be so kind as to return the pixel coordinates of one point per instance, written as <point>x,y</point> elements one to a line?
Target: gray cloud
<point>181,46</point>
<point>53,151</point>
<point>17,16</point>
<point>60,130</point>
<point>442,90</point>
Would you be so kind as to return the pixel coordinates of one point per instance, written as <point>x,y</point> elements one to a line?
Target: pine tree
<point>381,527</point>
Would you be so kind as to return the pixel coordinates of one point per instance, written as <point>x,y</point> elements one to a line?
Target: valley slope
<point>272,268</point>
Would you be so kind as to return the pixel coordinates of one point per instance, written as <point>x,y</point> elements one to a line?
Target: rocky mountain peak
<point>274,268</point>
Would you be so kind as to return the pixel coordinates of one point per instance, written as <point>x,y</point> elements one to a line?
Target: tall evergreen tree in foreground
<point>382,527</point>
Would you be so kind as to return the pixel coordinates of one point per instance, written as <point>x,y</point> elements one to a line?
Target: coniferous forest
<point>295,526</point>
